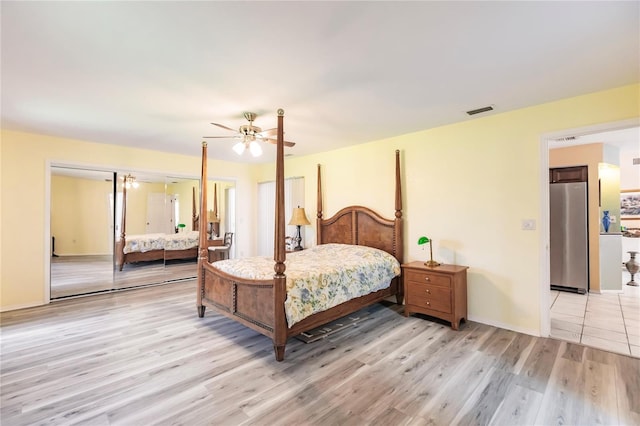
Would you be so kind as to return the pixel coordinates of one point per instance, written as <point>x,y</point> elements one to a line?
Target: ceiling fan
<point>249,135</point>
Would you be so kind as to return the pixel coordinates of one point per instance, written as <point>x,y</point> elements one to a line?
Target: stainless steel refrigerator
<point>569,244</point>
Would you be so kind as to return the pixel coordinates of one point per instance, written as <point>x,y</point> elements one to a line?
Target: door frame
<point>543,251</point>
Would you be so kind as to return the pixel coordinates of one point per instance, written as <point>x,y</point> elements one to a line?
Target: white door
<point>158,213</point>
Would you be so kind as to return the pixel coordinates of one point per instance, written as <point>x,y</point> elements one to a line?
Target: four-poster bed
<point>260,300</point>
<point>150,247</point>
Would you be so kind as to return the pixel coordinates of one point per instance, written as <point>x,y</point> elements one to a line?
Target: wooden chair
<point>222,252</point>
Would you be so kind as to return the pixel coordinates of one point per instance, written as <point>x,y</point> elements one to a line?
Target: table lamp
<point>429,263</point>
<point>299,218</point>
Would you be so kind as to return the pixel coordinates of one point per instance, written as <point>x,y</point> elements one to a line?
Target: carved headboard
<point>362,226</point>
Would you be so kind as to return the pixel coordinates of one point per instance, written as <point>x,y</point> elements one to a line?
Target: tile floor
<point>609,321</point>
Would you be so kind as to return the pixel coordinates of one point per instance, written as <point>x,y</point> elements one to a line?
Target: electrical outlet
<point>528,224</point>
<point>613,219</point>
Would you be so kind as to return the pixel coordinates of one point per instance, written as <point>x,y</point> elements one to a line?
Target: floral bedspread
<point>147,242</point>
<point>321,277</point>
<point>181,240</point>
<point>143,243</point>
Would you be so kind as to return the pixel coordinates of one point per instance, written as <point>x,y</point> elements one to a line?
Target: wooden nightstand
<point>439,292</point>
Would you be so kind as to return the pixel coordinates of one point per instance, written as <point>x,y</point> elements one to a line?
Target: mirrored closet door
<point>117,230</point>
<point>82,218</point>
<point>144,220</point>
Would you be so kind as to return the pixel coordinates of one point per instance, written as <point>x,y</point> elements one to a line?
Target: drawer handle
<point>427,279</point>
<point>428,303</point>
<point>428,291</point>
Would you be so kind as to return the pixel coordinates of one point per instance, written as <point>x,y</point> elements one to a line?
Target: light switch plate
<point>528,224</point>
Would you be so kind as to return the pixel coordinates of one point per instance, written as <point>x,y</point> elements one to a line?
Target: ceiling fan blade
<point>224,127</point>
<point>269,132</point>
<point>275,142</point>
<point>222,137</point>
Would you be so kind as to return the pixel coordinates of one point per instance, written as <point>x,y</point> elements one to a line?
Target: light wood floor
<point>143,357</point>
<point>77,275</point>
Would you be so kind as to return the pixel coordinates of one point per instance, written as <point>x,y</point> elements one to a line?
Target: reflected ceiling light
<point>129,181</point>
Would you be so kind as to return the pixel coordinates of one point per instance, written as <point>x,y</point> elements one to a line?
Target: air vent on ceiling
<point>636,161</point>
<point>480,110</point>
<point>567,139</point>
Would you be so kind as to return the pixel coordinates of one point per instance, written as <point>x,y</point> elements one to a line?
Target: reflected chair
<point>222,252</point>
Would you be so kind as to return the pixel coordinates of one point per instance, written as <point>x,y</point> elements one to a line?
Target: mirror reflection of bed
<point>86,226</point>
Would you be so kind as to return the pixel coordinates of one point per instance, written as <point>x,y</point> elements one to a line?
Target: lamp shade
<point>239,148</point>
<point>299,217</point>
<point>255,149</point>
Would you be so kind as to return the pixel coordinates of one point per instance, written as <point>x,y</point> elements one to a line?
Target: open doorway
<point>607,316</point>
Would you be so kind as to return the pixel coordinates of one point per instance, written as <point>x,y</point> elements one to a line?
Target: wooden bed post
<point>398,219</point>
<point>215,200</point>
<point>319,208</point>
<point>398,240</point>
<point>194,217</point>
<point>123,219</point>
<point>202,236</point>
<point>215,224</point>
<point>280,280</point>
<point>123,229</point>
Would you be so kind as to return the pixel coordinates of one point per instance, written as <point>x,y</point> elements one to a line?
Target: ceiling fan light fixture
<point>250,136</point>
<point>239,148</point>
<point>255,149</point>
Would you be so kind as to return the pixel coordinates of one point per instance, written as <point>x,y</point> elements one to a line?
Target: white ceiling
<point>155,74</point>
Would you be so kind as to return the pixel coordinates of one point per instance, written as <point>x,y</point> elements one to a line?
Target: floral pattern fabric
<point>148,242</point>
<point>181,240</point>
<point>143,243</point>
<point>321,277</point>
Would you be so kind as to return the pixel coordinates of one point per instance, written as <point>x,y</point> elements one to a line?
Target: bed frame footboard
<point>247,301</point>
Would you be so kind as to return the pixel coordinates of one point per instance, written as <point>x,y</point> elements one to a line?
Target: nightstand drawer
<point>430,297</point>
<point>439,292</point>
<point>425,277</point>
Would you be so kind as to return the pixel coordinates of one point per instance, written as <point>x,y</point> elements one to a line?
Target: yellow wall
<point>81,216</point>
<point>467,185</point>
<point>137,202</point>
<point>24,197</point>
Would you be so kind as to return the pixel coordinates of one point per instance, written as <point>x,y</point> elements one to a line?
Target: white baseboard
<point>499,324</point>
<point>611,291</point>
